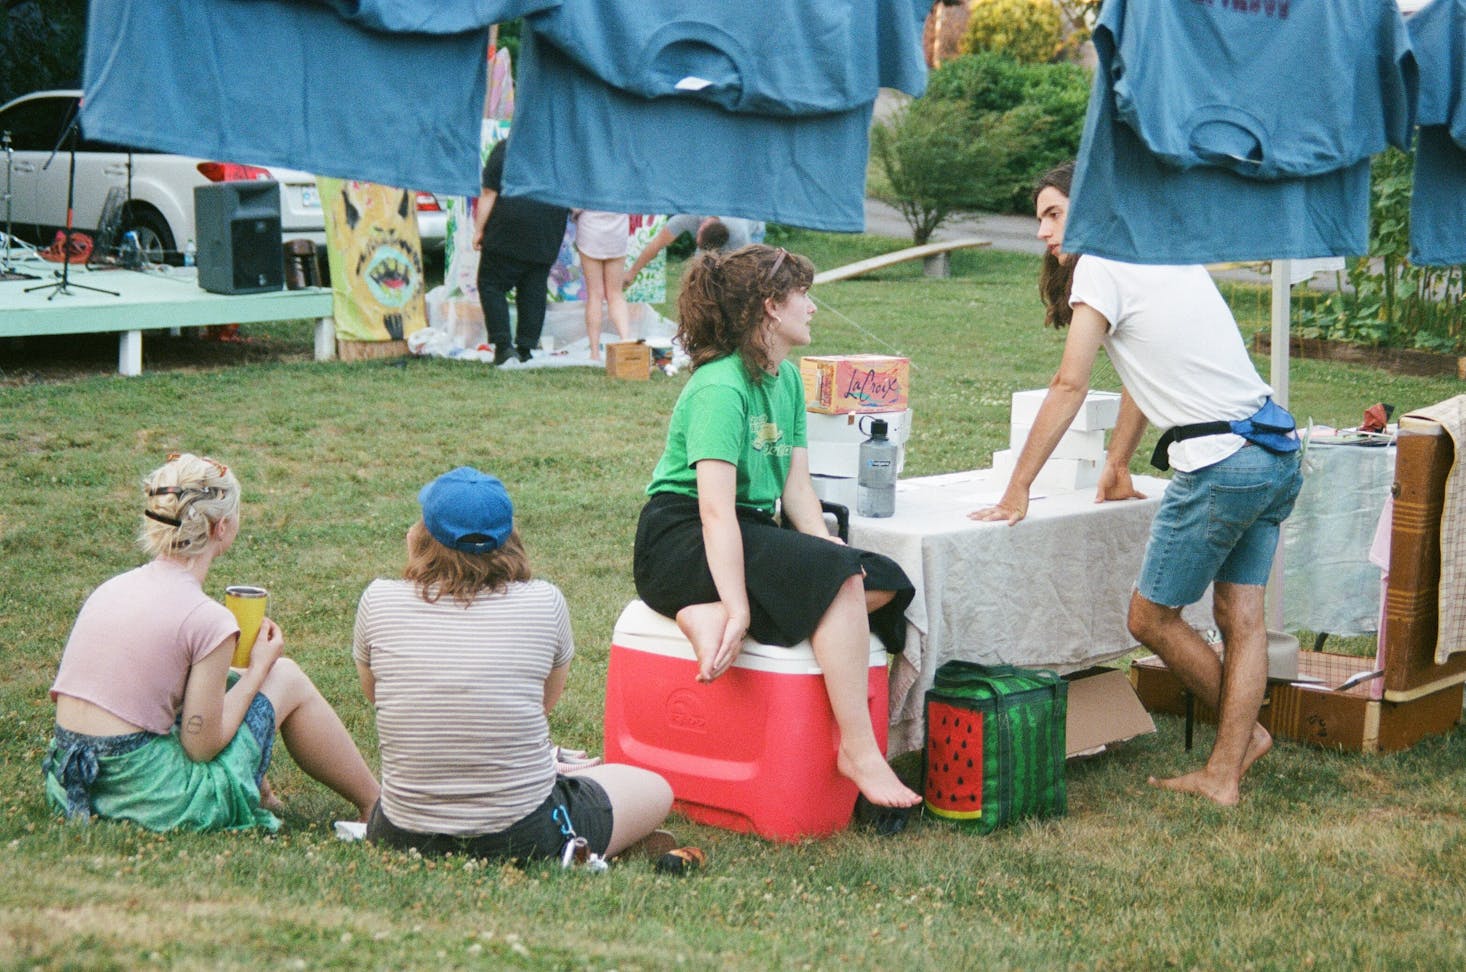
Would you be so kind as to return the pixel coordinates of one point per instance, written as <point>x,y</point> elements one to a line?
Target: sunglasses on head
<point>778,262</point>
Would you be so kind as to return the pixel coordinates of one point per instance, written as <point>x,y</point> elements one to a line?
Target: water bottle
<point>875,493</point>
<point>190,254</point>
<point>131,250</point>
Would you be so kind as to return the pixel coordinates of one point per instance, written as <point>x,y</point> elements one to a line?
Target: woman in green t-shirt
<point>708,549</point>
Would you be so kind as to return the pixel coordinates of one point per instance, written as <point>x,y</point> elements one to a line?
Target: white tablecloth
<point>1051,592</point>
<point>1329,583</point>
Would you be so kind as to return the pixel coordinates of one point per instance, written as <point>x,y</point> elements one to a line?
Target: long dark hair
<point>1056,278</point>
<point>720,310</point>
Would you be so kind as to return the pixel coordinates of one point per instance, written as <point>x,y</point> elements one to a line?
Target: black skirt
<point>792,578</point>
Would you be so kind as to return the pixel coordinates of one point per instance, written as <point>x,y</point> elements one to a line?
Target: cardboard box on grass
<point>1315,712</point>
<point>1103,710</point>
<point>834,384</point>
<point>629,360</point>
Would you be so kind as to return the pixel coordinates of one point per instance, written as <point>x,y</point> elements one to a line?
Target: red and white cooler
<point>752,751</point>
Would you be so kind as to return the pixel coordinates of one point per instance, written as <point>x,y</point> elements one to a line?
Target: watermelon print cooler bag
<point>994,744</point>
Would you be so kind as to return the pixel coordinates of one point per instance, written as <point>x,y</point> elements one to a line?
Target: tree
<point>42,45</point>
<point>935,162</point>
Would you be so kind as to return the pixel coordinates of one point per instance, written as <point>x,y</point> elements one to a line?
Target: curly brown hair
<point>721,307</point>
<point>463,576</point>
<point>1056,278</point>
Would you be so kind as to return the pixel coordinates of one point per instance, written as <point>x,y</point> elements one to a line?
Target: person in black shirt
<point>518,239</point>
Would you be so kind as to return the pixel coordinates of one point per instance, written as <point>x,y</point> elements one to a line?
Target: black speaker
<point>238,233</point>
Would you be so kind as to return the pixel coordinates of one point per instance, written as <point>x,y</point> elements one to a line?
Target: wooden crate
<point>370,350</point>
<point>629,360</point>
<point>1318,714</point>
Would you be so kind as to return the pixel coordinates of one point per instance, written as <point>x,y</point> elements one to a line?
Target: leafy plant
<point>1031,31</point>
<point>931,159</point>
<point>1388,300</point>
<point>1031,114</point>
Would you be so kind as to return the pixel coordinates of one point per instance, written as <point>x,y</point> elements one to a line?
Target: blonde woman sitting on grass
<point>148,726</point>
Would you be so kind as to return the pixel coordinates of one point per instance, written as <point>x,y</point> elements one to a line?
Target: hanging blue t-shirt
<point>1129,205</point>
<point>1270,89</point>
<point>772,57</point>
<point>1438,196</point>
<point>582,143</point>
<point>277,82</point>
<point>439,17</point>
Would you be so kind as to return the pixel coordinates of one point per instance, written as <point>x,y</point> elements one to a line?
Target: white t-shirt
<point>1177,349</point>
<point>465,744</point>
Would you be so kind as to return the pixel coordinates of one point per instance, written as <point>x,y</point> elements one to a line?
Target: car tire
<point>153,235</point>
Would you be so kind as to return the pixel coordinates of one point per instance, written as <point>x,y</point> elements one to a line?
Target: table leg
<point>130,353</point>
<point>326,339</point>
<point>1190,717</point>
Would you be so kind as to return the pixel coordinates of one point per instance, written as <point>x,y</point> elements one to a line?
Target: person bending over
<point>148,728</point>
<point>464,658</point>
<point>1183,365</point>
<point>722,233</point>
<point>708,550</point>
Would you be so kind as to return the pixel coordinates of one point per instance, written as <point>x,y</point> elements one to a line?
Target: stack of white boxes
<point>834,449</point>
<point>1080,455</point>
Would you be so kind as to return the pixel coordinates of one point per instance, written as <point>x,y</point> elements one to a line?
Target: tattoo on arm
<point>195,724</point>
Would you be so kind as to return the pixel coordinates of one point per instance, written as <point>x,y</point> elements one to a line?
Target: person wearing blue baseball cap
<point>463,658</point>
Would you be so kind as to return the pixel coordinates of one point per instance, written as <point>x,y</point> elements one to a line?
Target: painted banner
<point>375,255</point>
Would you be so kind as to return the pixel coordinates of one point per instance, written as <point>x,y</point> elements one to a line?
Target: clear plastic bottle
<point>875,493</point>
<point>190,254</point>
<point>131,251</point>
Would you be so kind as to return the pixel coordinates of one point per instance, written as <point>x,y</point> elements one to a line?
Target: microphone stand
<point>64,285</point>
<point>7,268</point>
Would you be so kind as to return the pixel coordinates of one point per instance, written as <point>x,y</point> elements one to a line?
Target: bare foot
<point>1261,742</point>
<point>876,780</point>
<point>702,625</point>
<point>268,800</point>
<point>1221,792</point>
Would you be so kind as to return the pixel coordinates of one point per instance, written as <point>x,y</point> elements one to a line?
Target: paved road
<point>1014,234</point>
<point>1017,234</point>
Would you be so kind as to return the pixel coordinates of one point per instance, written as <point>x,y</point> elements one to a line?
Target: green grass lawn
<point>1334,860</point>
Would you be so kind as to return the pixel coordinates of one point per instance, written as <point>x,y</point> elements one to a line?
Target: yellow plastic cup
<point>248,604</point>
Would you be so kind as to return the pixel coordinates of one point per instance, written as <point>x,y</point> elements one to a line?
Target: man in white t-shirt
<point>1184,367</point>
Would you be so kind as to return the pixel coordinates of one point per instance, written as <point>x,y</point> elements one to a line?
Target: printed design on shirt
<point>1268,8</point>
<point>767,437</point>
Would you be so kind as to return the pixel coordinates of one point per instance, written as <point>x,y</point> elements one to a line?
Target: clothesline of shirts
<point>1217,130</point>
<point>751,109</point>
<point>1222,131</point>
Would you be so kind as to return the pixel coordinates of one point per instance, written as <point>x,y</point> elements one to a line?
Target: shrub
<point>1031,31</point>
<point>1042,103</point>
<point>1391,302</point>
<point>936,163</point>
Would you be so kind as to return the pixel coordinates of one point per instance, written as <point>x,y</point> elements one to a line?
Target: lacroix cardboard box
<point>837,384</point>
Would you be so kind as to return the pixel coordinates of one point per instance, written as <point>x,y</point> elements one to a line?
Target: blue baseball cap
<point>467,510</point>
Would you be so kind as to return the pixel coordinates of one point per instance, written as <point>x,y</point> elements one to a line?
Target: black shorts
<point>536,835</point>
<point>791,577</point>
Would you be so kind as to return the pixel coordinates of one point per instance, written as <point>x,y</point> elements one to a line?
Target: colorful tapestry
<point>375,256</point>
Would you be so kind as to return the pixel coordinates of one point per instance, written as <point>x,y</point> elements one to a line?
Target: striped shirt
<point>465,745</point>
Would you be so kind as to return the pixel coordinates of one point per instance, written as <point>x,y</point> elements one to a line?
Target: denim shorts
<point>1219,523</point>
